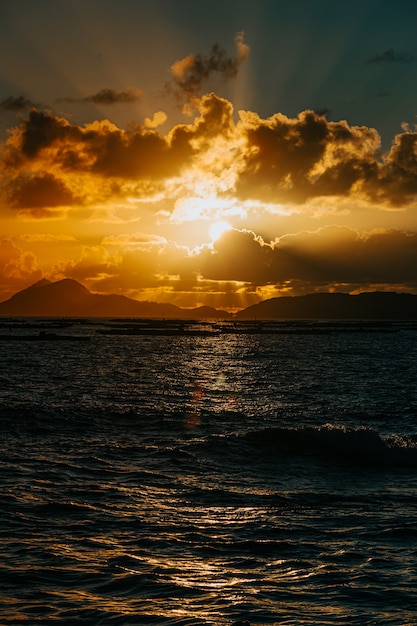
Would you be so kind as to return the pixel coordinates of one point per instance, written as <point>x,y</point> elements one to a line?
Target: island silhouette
<point>69,298</point>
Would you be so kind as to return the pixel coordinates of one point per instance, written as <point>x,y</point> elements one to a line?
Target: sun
<point>218,228</point>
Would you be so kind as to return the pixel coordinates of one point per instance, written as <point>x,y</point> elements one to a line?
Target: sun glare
<point>218,228</point>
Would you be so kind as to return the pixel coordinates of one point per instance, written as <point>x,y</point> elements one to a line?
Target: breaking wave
<point>338,443</point>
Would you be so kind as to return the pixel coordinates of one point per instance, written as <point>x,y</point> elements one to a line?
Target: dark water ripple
<point>168,481</point>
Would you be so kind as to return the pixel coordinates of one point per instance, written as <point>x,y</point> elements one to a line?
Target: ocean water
<point>200,480</point>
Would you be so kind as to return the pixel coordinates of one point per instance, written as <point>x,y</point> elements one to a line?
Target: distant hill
<point>68,298</point>
<point>375,305</point>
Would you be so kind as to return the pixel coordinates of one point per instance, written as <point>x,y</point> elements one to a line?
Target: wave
<point>337,443</point>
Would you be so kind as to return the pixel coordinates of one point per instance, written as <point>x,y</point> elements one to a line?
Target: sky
<point>209,153</point>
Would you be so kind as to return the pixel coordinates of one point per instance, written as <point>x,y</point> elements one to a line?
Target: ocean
<point>206,478</point>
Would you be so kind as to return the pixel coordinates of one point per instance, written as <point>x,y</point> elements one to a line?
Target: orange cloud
<point>297,159</point>
<point>134,239</point>
<point>237,269</point>
<point>158,119</point>
<point>17,269</point>
<point>100,148</point>
<point>134,188</point>
<point>396,180</point>
<point>133,161</point>
<point>272,161</point>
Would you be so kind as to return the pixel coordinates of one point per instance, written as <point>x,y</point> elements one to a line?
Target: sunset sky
<point>213,153</point>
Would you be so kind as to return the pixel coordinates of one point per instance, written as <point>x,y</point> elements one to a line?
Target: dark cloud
<point>308,261</point>
<point>396,178</point>
<point>322,112</point>
<point>391,56</point>
<point>294,160</point>
<point>192,72</point>
<point>16,104</point>
<point>330,259</point>
<point>237,255</point>
<point>108,97</point>
<point>275,160</point>
<point>102,149</point>
<point>37,192</point>
<point>297,159</point>
<point>42,129</point>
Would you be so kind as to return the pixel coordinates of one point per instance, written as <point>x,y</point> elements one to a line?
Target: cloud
<point>46,237</point>
<point>44,140</point>
<point>218,165</point>
<point>135,239</point>
<point>37,132</point>
<point>195,70</point>
<point>17,269</point>
<point>237,255</point>
<point>322,112</point>
<point>98,162</point>
<point>332,258</point>
<point>395,180</point>
<point>159,118</point>
<point>278,160</point>
<point>391,56</point>
<point>128,268</point>
<point>38,194</point>
<point>16,104</point>
<point>108,97</point>
<point>241,268</point>
<point>297,159</point>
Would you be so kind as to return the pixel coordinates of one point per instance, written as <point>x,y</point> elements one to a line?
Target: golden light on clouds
<point>205,210</point>
<point>218,228</point>
<point>158,119</point>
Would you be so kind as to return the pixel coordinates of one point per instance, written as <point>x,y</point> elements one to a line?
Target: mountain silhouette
<point>374,305</point>
<point>68,298</point>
